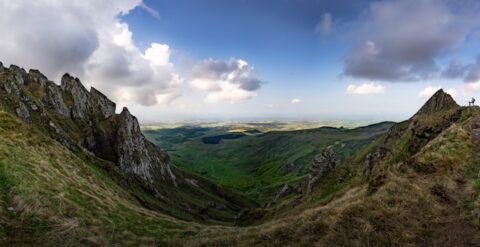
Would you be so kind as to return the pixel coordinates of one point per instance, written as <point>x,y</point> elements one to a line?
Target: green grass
<point>257,165</point>
<point>56,195</point>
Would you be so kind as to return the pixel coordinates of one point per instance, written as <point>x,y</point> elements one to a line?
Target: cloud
<point>296,101</point>
<point>473,72</point>
<point>470,73</point>
<point>365,88</point>
<point>270,105</point>
<point>430,90</point>
<point>455,69</point>
<point>230,80</point>
<point>325,25</point>
<point>471,87</point>
<point>400,40</point>
<point>87,39</point>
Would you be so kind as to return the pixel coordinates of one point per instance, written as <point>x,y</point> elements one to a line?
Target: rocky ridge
<point>84,121</point>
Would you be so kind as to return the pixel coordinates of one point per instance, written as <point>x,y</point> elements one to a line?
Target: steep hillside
<point>85,122</point>
<point>418,185</point>
<point>50,195</point>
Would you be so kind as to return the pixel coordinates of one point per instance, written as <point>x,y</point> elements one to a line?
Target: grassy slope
<point>48,194</point>
<point>187,201</point>
<point>256,164</point>
<point>404,202</point>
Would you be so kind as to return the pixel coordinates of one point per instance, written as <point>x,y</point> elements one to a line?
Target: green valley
<point>258,163</point>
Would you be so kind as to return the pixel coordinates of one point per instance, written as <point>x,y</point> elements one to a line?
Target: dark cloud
<point>399,40</point>
<point>470,73</point>
<point>454,70</point>
<point>473,71</point>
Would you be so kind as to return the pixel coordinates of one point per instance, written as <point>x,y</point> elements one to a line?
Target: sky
<point>172,60</point>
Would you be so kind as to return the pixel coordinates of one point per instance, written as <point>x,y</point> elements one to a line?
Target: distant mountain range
<point>73,172</point>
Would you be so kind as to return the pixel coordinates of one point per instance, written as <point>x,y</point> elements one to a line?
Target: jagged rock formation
<point>323,163</point>
<point>78,118</point>
<point>85,122</point>
<point>440,101</point>
<point>136,155</point>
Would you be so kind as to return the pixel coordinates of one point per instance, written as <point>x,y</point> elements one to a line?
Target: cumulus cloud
<point>365,88</point>
<point>400,40</point>
<point>430,90</point>
<point>325,25</point>
<point>87,39</point>
<point>296,101</point>
<point>230,80</point>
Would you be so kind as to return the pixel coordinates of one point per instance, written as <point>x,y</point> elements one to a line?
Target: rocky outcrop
<point>19,73</point>
<point>82,119</point>
<point>323,163</point>
<point>23,113</point>
<point>37,77</point>
<point>136,155</point>
<point>78,95</point>
<point>53,99</point>
<point>101,103</point>
<point>435,116</point>
<point>440,101</point>
<point>372,159</point>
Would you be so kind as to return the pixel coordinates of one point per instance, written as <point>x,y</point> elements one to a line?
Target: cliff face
<point>82,119</point>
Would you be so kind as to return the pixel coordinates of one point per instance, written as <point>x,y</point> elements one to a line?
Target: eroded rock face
<point>36,76</point>
<point>23,113</point>
<point>85,120</point>
<point>20,74</point>
<point>78,94</point>
<point>136,155</point>
<point>102,103</point>
<point>53,99</point>
<point>323,163</point>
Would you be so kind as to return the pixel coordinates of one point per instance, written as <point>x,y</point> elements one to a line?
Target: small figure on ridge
<point>471,103</point>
